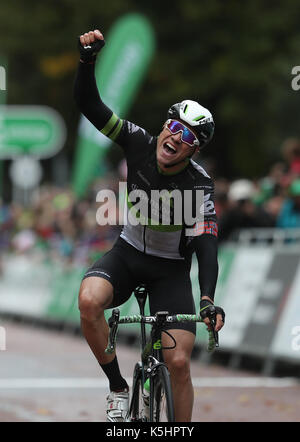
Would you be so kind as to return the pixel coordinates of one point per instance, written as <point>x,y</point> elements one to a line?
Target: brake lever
<point>214,332</point>
<point>212,317</point>
<point>113,323</point>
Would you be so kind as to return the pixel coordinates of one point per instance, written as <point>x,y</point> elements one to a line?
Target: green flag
<point>119,71</point>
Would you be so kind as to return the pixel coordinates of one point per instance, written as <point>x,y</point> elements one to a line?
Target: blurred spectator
<point>221,196</point>
<point>291,154</point>
<point>273,184</point>
<point>242,212</point>
<point>272,189</point>
<point>6,225</point>
<point>60,227</point>
<point>289,215</point>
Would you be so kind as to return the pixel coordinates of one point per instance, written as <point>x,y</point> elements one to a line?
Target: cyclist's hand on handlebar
<point>209,312</point>
<point>90,44</point>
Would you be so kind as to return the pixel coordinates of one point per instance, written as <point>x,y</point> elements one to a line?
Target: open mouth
<point>169,149</point>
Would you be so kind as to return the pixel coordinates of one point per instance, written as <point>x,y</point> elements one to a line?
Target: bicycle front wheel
<point>137,407</point>
<point>161,401</point>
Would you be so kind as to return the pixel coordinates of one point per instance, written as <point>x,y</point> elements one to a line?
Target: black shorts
<point>168,280</point>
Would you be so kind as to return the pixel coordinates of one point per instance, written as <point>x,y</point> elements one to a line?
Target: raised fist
<point>90,44</point>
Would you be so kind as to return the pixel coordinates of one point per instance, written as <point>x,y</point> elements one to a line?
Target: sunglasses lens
<point>186,135</point>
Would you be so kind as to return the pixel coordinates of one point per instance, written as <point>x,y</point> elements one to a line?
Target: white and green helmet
<point>196,116</point>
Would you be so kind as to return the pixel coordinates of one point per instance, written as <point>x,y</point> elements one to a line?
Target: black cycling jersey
<point>175,240</point>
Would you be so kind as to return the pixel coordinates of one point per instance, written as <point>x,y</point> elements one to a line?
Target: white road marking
<point>245,382</point>
<point>205,382</point>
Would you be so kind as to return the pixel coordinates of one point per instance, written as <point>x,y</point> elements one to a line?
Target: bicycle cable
<point>173,339</point>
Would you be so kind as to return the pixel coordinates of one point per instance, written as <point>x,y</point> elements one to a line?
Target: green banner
<point>120,69</point>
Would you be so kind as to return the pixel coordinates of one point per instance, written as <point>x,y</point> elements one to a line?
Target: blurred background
<point>236,59</point>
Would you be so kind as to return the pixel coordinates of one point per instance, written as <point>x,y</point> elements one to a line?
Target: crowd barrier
<point>258,287</point>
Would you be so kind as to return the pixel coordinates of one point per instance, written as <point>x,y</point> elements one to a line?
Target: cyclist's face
<point>171,149</point>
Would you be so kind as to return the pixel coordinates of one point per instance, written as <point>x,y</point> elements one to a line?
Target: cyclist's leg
<point>95,296</point>
<point>106,284</point>
<point>178,362</point>
<point>172,292</point>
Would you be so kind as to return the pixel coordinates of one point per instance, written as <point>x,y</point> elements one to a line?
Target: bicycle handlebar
<point>162,317</point>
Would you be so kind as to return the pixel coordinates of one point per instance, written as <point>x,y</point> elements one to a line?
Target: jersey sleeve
<point>202,239</point>
<point>87,97</point>
<point>207,218</point>
<point>133,138</point>
<point>128,135</point>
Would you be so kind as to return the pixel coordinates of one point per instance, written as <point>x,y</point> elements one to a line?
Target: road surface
<point>50,376</point>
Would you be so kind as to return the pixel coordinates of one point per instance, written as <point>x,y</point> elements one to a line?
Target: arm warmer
<point>87,96</point>
<point>206,248</point>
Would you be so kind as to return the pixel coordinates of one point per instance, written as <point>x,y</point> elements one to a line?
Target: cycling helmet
<point>196,116</point>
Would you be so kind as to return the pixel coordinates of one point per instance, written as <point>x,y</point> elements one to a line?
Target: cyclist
<point>158,255</point>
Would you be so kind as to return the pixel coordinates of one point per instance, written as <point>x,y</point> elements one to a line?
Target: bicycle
<point>152,398</point>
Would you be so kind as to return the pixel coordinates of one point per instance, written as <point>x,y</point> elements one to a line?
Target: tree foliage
<point>234,57</point>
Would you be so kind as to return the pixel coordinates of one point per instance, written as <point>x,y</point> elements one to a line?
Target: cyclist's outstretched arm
<point>205,245</point>
<point>86,92</point>
<point>89,101</point>
<point>206,248</point>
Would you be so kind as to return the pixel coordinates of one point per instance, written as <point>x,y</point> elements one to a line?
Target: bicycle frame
<point>151,349</point>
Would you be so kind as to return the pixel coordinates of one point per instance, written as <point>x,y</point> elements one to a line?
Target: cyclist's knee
<point>178,359</point>
<point>94,297</point>
<point>178,363</point>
